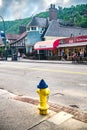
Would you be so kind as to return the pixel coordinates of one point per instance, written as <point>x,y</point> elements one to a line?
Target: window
<point>28,28</point>
<point>33,28</point>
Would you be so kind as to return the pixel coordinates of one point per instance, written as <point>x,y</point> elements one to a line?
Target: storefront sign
<point>73,40</point>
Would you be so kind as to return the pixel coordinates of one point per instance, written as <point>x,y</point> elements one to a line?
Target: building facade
<point>35,31</point>
<point>56,31</point>
<point>50,30</point>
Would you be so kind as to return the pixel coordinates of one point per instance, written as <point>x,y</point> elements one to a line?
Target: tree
<point>83,23</point>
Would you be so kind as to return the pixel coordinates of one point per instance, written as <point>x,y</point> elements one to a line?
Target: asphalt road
<point>67,82</point>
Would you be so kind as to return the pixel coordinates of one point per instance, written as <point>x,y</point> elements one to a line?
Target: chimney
<point>54,6</point>
<point>51,6</point>
<point>52,12</point>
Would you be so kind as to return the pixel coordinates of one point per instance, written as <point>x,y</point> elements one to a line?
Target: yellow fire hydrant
<point>43,92</point>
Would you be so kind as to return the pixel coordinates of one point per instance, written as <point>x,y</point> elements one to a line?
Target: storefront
<point>52,49</point>
<point>47,49</point>
<point>70,45</point>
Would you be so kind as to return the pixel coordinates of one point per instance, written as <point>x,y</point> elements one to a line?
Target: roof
<point>12,36</point>
<point>57,30</point>
<point>20,37</point>
<point>36,21</point>
<point>52,29</point>
<point>23,35</point>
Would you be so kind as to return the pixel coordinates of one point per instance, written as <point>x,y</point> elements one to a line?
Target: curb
<point>78,115</point>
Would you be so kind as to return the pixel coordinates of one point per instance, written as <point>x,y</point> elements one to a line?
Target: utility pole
<point>3,36</point>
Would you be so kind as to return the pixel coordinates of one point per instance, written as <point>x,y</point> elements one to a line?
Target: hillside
<point>12,27</point>
<point>73,16</point>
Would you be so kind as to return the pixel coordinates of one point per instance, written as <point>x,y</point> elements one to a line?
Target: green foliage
<point>13,26</point>
<point>83,23</point>
<point>75,15</point>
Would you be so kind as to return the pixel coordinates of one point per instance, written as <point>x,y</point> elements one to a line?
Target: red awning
<point>46,45</point>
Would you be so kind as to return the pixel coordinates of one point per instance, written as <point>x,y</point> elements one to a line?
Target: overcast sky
<point>16,9</point>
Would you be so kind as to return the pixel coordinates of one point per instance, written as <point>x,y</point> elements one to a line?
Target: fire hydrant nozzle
<point>43,92</point>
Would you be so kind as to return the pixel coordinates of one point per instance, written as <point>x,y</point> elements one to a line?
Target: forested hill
<point>12,27</point>
<point>73,16</point>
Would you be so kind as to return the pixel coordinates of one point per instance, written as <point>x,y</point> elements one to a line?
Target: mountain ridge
<point>72,16</point>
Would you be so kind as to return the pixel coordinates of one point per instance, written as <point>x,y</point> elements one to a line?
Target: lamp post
<point>3,36</point>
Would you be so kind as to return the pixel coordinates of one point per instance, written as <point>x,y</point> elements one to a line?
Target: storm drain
<point>74,106</point>
<point>61,94</point>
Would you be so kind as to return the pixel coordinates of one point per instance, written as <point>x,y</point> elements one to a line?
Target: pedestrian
<point>63,55</point>
<point>81,55</point>
<point>18,55</point>
<point>74,57</point>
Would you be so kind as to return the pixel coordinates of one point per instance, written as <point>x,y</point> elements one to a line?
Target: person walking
<point>81,55</point>
<point>18,55</point>
<point>74,57</point>
<point>62,55</point>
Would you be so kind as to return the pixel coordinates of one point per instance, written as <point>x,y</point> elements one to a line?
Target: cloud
<point>15,9</point>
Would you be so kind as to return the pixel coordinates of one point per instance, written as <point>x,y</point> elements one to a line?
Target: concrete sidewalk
<point>17,115</point>
<point>43,61</point>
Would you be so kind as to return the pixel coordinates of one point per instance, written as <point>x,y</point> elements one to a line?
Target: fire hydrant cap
<point>42,85</point>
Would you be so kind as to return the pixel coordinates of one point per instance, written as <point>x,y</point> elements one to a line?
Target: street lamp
<point>3,36</point>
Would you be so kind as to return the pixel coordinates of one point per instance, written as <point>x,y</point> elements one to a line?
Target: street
<point>67,82</point>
